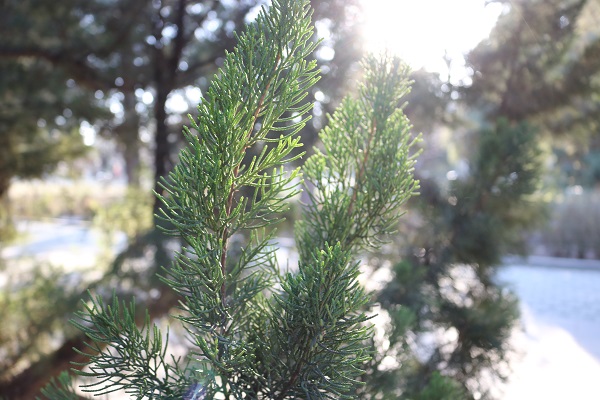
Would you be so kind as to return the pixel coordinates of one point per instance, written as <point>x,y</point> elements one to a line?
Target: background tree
<point>38,128</point>
<point>541,64</point>
<point>531,63</point>
<point>449,323</point>
<point>120,47</point>
<point>104,51</point>
<point>129,47</point>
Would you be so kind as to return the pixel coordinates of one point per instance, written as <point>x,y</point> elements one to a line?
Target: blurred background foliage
<point>93,96</point>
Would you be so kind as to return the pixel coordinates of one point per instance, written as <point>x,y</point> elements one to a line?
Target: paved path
<point>560,343</point>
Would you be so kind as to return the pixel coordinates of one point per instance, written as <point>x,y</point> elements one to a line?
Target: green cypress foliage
<point>256,332</point>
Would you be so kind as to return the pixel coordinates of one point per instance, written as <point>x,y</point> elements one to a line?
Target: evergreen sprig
<point>357,185</point>
<point>136,358</point>
<point>61,388</point>
<point>364,174</point>
<point>257,333</point>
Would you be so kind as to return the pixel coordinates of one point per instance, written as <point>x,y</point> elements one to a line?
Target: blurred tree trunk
<point>162,159</point>
<point>5,177</point>
<point>128,133</point>
<point>129,137</point>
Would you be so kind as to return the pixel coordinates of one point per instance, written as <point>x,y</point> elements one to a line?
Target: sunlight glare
<point>422,31</point>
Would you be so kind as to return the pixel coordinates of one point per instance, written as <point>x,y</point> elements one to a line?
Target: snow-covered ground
<point>554,366</point>
<point>559,345</point>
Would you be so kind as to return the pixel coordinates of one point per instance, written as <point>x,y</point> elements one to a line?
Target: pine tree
<point>257,332</point>
<point>449,321</point>
<point>35,133</point>
<point>540,64</point>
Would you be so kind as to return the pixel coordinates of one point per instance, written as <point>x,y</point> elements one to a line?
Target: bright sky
<point>420,31</point>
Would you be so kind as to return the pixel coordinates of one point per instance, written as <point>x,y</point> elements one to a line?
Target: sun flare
<point>422,31</point>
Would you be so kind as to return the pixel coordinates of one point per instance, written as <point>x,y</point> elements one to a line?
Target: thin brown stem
<point>295,374</point>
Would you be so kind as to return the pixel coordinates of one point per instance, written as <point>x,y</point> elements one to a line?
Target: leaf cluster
<point>361,182</point>
<point>136,360</point>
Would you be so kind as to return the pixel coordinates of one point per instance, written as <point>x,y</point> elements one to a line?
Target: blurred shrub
<point>7,228</point>
<point>442,388</point>
<point>130,214</point>
<point>38,200</point>
<point>35,305</point>
<point>574,227</point>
